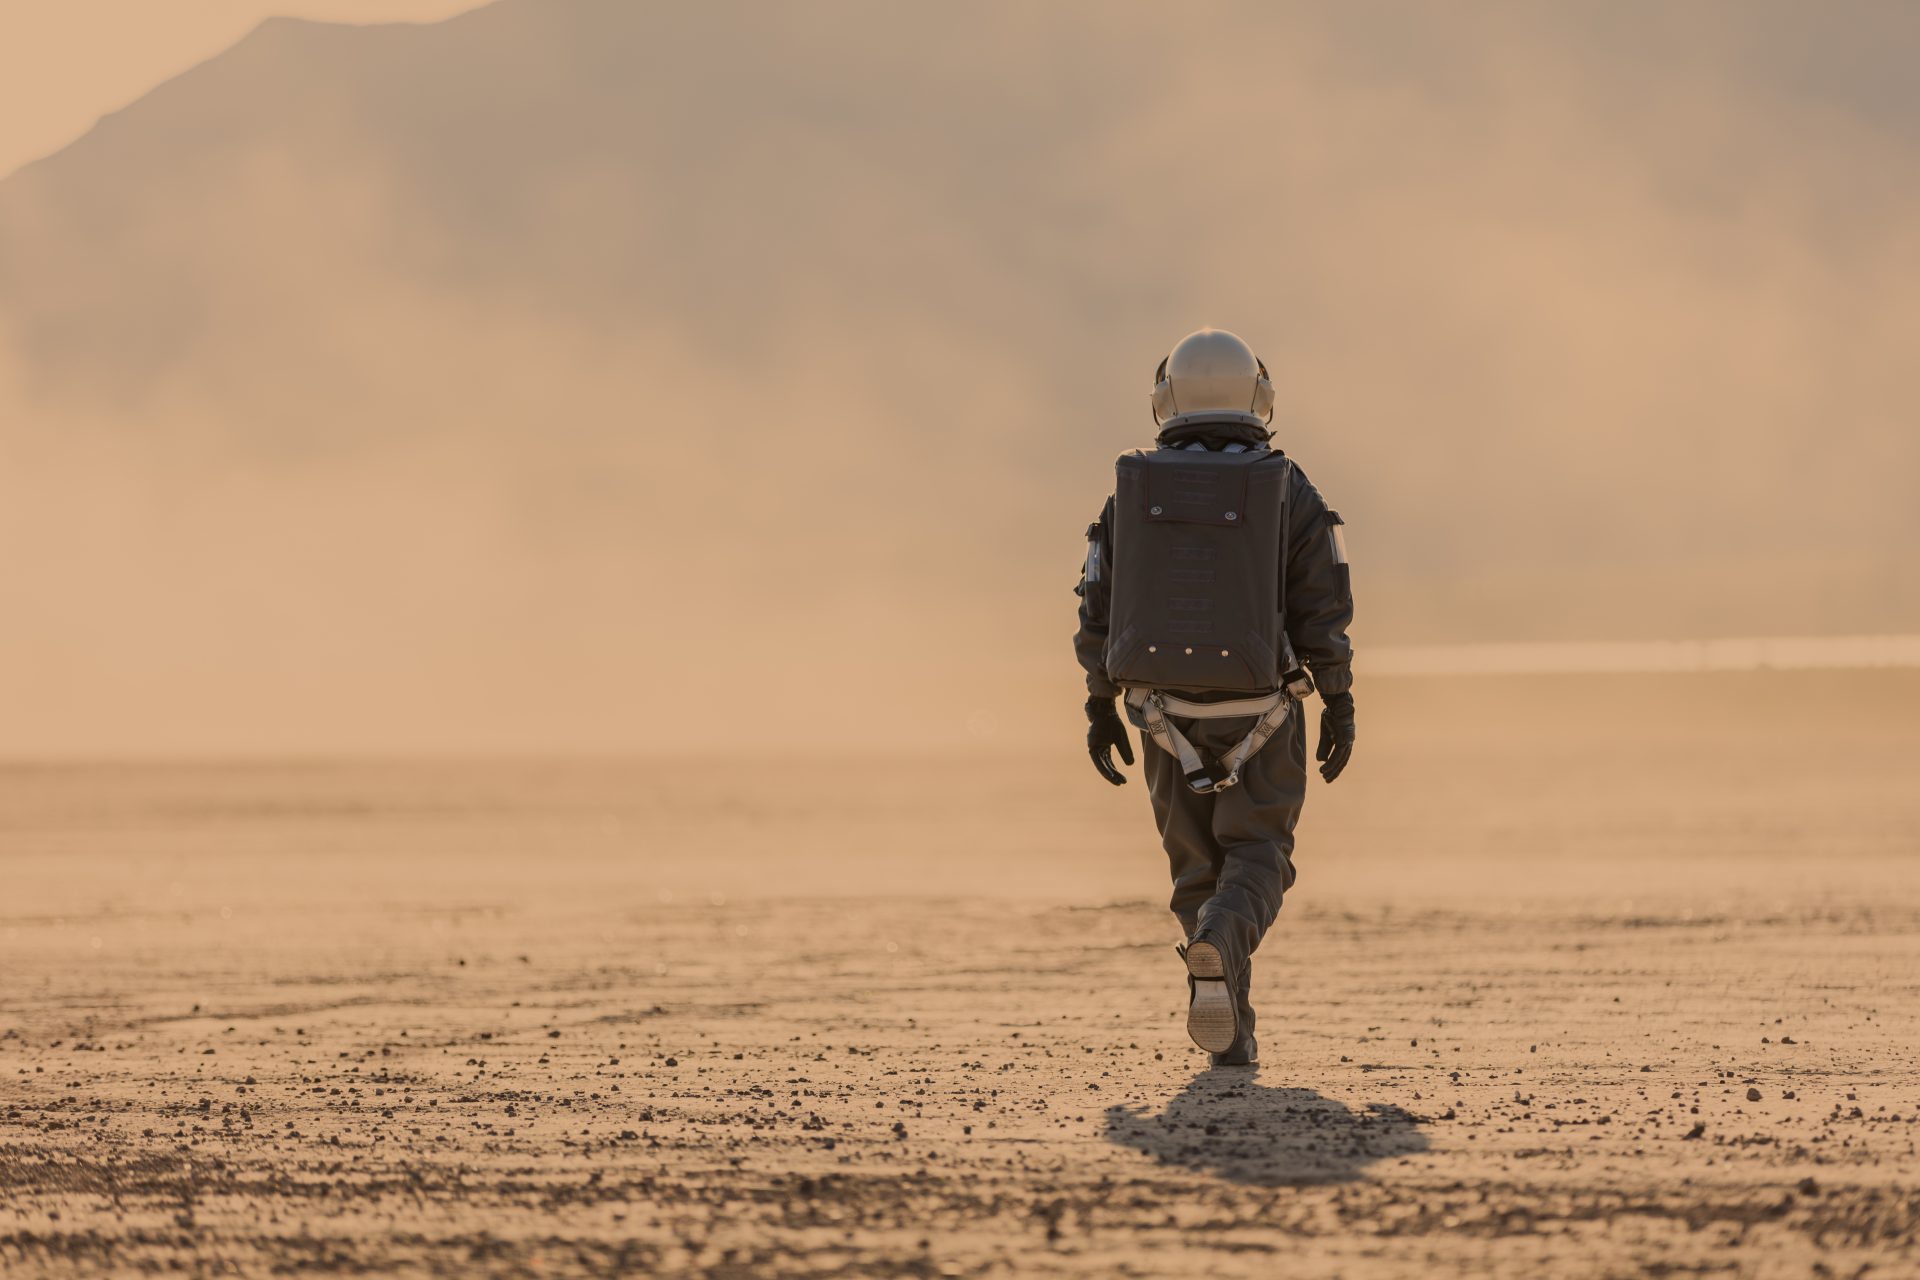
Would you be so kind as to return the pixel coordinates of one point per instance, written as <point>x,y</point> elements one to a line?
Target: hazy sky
<point>66,63</point>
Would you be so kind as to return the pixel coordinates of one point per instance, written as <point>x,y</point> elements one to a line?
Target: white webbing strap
<point>1154,707</point>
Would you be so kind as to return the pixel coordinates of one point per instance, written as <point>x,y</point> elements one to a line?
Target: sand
<point>1582,977</point>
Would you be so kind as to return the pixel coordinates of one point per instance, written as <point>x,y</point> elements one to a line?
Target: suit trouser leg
<point>1231,853</point>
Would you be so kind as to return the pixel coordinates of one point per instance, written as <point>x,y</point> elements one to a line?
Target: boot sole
<point>1211,1019</point>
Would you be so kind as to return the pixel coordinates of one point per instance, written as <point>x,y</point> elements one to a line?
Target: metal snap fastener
<point>1189,651</point>
<point>1223,653</point>
<point>1153,511</point>
<point>1153,648</point>
<point>1233,515</point>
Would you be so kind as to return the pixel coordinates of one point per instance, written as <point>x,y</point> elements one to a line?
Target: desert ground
<point>1607,976</point>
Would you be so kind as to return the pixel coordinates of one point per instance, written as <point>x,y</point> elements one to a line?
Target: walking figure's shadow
<point>1226,1123</point>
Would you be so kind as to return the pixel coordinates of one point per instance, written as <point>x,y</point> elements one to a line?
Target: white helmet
<point>1212,374</point>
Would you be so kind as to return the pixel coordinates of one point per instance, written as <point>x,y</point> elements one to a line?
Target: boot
<point>1245,1053</point>
<point>1245,1050</point>
<point>1213,1017</point>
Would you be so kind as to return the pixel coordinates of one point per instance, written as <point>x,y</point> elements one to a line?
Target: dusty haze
<point>508,382</point>
<point>64,65</point>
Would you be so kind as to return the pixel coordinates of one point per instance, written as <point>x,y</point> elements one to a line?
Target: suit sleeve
<point>1096,596</point>
<point>1319,604</point>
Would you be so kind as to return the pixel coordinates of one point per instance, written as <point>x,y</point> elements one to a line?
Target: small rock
<point>1753,1095</point>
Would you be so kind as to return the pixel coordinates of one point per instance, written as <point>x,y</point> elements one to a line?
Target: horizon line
<point>1595,657</point>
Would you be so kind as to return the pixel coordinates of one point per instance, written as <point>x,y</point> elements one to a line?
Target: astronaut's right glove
<point>1336,735</point>
<point>1105,731</point>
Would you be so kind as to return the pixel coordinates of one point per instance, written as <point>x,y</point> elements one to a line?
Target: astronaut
<point>1215,598</point>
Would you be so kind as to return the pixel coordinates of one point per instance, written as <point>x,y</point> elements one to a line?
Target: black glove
<point>1105,731</point>
<point>1336,734</point>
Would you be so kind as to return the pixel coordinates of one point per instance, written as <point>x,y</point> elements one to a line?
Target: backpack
<point>1197,571</point>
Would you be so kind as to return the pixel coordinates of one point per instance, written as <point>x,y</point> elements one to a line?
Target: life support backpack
<point>1196,570</point>
<point>1198,597</point>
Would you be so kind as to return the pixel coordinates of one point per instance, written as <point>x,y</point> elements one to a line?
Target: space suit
<point>1215,597</point>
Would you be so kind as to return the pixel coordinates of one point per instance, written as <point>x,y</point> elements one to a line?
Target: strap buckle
<point>1212,778</point>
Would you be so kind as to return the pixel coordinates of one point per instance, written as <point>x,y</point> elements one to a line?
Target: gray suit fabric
<point>1230,854</point>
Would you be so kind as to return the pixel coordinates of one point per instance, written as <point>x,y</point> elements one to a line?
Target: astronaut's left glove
<point>1105,731</point>
<point>1336,735</point>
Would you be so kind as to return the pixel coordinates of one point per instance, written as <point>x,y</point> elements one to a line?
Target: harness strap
<point>1218,710</point>
<point>1154,707</point>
